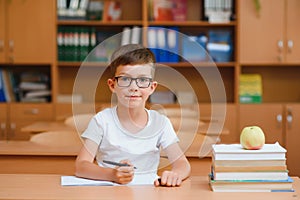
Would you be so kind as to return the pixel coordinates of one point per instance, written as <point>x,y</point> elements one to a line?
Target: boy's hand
<point>169,179</point>
<point>124,175</point>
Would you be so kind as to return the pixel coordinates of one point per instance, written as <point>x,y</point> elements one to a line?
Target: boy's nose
<point>133,84</point>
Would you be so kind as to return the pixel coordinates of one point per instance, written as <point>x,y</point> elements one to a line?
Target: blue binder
<point>172,42</point>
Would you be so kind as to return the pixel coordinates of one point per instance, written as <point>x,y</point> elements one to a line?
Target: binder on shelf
<point>126,34</point>
<point>136,35</point>
<point>106,44</point>
<point>7,86</point>
<point>220,45</point>
<point>152,41</point>
<point>2,95</point>
<point>172,43</point>
<point>162,45</point>
<point>194,48</point>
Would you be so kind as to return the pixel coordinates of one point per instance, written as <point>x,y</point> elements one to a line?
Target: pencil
<point>117,164</point>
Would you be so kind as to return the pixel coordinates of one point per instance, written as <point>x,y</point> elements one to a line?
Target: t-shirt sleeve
<point>94,131</point>
<point>169,135</point>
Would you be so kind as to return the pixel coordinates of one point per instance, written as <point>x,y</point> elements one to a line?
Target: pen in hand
<point>117,164</point>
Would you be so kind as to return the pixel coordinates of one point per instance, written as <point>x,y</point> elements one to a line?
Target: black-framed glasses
<point>141,82</point>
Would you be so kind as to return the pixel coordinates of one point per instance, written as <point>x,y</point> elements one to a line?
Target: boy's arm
<point>180,167</point>
<point>86,168</point>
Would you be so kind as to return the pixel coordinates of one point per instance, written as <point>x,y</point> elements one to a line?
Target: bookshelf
<point>193,25</point>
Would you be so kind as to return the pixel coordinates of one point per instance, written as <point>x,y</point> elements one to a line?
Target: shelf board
<point>99,23</point>
<point>190,23</point>
<point>269,64</point>
<point>201,64</point>
<point>140,22</point>
<point>179,64</point>
<point>78,64</point>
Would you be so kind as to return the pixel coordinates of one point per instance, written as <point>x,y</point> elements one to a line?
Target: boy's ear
<point>111,85</point>
<point>153,86</point>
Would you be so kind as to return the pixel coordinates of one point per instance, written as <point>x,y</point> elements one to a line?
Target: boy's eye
<point>143,79</point>
<point>124,78</point>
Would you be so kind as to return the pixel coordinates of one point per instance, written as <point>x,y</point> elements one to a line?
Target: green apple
<point>252,137</point>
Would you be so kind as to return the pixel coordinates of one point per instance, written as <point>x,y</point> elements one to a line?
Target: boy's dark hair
<point>131,54</point>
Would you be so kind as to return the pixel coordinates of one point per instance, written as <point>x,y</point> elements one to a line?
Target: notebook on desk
<point>139,179</point>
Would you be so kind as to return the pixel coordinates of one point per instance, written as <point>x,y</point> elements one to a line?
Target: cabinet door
<point>31,31</point>
<point>293,138</point>
<point>267,116</point>
<point>261,33</point>
<point>293,31</point>
<point>2,28</point>
<point>229,123</point>
<point>24,114</point>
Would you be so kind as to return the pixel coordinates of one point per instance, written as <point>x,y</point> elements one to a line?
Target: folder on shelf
<point>152,41</point>
<point>162,45</point>
<point>2,95</point>
<point>172,43</point>
<point>126,33</point>
<point>220,45</point>
<point>136,33</point>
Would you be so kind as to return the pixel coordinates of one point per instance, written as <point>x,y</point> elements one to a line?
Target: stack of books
<point>235,169</point>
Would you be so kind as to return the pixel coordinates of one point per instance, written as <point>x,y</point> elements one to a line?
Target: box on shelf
<point>250,90</point>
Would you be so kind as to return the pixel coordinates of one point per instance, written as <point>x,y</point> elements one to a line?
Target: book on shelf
<point>2,93</point>
<point>33,86</point>
<point>250,90</point>
<point>168,10</point>
<point>251,186</point>
<point>237,152</point>
<point>8,86</point>
<point>37,93</point>
<point>95,10</point>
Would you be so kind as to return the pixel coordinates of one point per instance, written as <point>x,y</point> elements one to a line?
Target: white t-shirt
<point>142,148</point>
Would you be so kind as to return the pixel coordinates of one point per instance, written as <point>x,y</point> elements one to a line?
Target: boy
<point>129,133</point>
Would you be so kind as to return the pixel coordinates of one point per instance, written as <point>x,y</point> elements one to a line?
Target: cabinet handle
<point>3,127</point>
<point>280,45</point>
<point>289,118</point>
<point>12,130</point>
<point>290,45</point>
<point>1,45</point>
<point>11,59</point>
<point>11,45</point>
<point>279,120</point>
<point>280,50</point>
<point>33,111</point>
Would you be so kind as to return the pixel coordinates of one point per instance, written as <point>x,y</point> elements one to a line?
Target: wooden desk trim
<point>34,186</point>
<point>29,148</point>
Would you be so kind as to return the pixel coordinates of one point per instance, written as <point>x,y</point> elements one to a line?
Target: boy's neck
<point>133,119</point>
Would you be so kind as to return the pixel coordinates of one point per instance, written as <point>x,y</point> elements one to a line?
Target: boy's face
<point>136,93</point>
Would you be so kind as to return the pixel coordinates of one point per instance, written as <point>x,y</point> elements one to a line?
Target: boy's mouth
<point>133,96</point>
